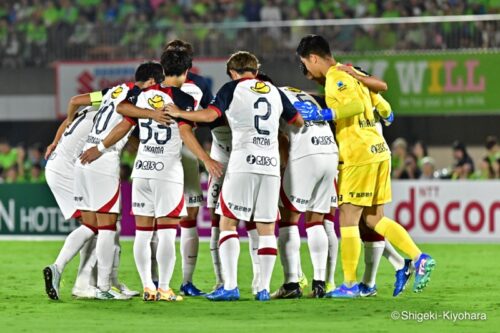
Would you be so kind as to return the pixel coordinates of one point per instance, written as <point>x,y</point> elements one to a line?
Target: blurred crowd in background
<point>26,164</point>
<point>38,32</point>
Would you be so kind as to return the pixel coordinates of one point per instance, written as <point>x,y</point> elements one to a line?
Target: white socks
<point>116,260</point>
<point>214,251</point>
<point>253,247</point>
<point>166,254</point>
<point>154,262</point>
<point>373,253</point>
<point>142,256</point>
<point>73,243</point>
<point>189,249</point>
<point>88,261</point>
<point>318,248</point>
<point>267,258</point>
<point>229,251</point>
<point>289,245</point>
<point>396,260</point>
<point>333,248</point>
<point>105,250</point>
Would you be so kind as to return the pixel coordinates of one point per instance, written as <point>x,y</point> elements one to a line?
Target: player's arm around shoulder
<point>341,94</point>
<point>143,111</point>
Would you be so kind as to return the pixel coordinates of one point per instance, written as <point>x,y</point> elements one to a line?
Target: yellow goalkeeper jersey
<point>357,137</point>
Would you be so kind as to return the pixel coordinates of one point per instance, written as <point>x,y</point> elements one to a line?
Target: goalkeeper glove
<point>310,112</point>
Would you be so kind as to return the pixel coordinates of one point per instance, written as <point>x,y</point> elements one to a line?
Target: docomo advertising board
<point>73,78</point>
<point>447,211</point>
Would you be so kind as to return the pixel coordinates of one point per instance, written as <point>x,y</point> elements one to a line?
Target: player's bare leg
<point>317,240</point>
<point>253,248</point>
<point>189,251</point>
<point>214,249</point>
<point>399,237</point>
<point>167,230</point>
<point>229,252</point>
<point>333,249</point>
<point>289,250</point>
<point>72,245</point>
<point>144,229</point>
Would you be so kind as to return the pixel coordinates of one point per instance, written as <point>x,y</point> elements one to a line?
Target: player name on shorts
<point>322,140</point>
<point>260,141</point>
<point>153,149</point>
<point>262,160</point>
<point>92,139</point>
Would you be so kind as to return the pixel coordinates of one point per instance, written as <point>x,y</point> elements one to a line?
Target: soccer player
<point>251,184</point>
<point>158,188</point>
<point>311,148</point>
<point>198,88</point>
<point>61,156</point>
<point>364,166</point>
<point>96,187</point>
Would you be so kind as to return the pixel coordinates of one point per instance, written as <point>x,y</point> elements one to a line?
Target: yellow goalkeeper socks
<point>398,236</point>
<point>350,247</point>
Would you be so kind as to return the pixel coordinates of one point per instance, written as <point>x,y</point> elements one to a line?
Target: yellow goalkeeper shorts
<point>366,185</point>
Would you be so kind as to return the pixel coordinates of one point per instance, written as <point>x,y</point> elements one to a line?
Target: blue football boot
<point>344,292</point>
<point>367,291</point>
<point>189,289</point>
<point>402,277</point>
<point>263,296</point>
<point>423,269</point>
<point>222,294</point>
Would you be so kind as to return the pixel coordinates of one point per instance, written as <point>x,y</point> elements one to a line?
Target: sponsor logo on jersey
<point>367,123</point>
<point>262,160</point>
<point>322,140</point>
<point>149,165</point>
<point>379,148</point>
<point>261,88</point>
<point>116,92</point>
<point>156,102</point>
<point>261,141</point>
<point>341,85</point>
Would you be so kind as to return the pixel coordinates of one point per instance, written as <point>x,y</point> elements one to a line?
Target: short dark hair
<point>180,45</point>
<point>175,62</point>
<point>264,77</point>
<point>150,69</point>
<point>313,44</point>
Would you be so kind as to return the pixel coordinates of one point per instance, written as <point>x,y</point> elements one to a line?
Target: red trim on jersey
<point>215,223</point>
<point>107,207</point>
<point>370,236</point>
<point>130,120</point>
<point>111,227</point>
<point>188,224</point>
<point>286,224</point>
<point>184,122</point>
<point>94,229</point>
<point>291,121</point>
<point>250,226</point>
<point>130,85</point>
<point>267,251</point>
<point>77,214</point>
<point>286,202</point>
<point>144,228</point>
<point>225,211</point>
<point>177,210</point>
<point>166,226</point>
<point>216,109</point>
<point>225,238</point>
<point>313,224</point>
<point>329,217</point>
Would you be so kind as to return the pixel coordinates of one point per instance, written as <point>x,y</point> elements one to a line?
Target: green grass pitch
<point>466,280</point>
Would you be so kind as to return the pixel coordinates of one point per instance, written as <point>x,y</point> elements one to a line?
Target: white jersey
<point>105,120</point>
<point>253,109</point>
<point>159,153</point>
<point>313,137</point>
<point>70,146</point>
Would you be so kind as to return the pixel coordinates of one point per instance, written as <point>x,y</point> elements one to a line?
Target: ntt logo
<point>262,160</point>
<point>149,165</point>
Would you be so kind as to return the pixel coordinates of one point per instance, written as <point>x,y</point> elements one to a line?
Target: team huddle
<point>274,157</point>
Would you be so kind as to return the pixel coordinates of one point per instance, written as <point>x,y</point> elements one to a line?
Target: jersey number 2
<point>259,118</point>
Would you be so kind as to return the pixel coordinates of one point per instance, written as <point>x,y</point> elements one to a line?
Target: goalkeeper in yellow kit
<point>364,163</point>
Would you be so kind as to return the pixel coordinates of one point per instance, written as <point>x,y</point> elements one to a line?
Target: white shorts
<point>308,183</point>
<point>249,195</point>
<point>192,185</point>
<point>157,198</point>
<point>96,192</point>
<point>334,201</point>
<point>62,189</point>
